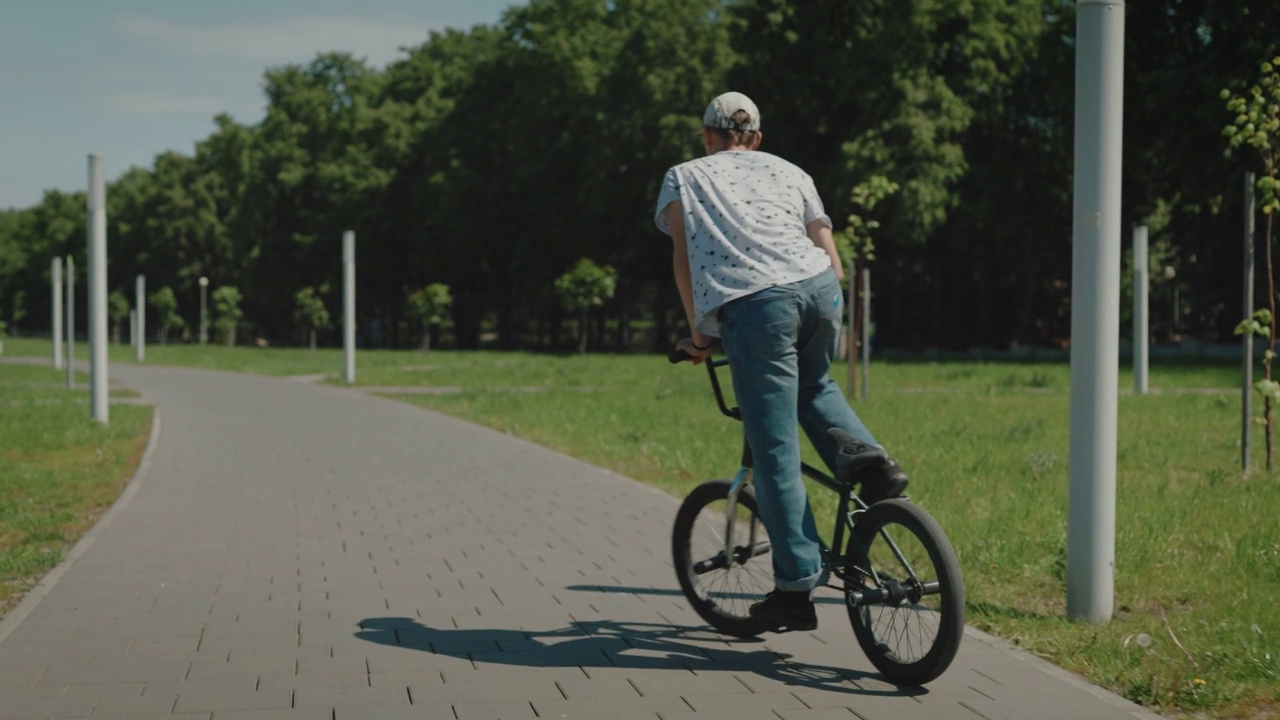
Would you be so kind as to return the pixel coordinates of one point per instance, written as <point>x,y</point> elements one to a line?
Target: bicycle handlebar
<point>678,356</point>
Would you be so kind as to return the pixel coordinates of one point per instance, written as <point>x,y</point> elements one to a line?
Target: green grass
<point>59,469</point>
<point>1197,623</point>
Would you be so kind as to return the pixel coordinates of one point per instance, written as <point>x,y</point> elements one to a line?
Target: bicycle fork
<point>885,591</point>
<point>739,555</point>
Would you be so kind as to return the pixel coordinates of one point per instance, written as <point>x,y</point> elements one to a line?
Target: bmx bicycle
<point>891,561</point>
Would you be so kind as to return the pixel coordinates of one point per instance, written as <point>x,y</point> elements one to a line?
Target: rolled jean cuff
<point>806,584</point>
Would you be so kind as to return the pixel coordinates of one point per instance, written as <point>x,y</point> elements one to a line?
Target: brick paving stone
<point>220,701</point>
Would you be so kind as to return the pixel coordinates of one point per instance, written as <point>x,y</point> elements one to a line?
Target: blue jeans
<point>780,342</point>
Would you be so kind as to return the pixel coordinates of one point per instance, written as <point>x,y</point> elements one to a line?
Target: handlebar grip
<point>678,356</point>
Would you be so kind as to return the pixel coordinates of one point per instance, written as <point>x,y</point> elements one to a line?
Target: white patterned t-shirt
<point>745,214</point>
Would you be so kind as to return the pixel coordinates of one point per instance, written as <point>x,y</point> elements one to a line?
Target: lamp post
<point>204,323</point>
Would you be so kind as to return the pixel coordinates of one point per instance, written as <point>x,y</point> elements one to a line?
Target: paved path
<point>297,551</point>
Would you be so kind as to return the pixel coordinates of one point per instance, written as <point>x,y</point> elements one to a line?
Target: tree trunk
<point>582,334</point>
<point>313,339</point>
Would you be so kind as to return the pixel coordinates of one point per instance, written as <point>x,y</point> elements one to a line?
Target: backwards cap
<point>720,112</point>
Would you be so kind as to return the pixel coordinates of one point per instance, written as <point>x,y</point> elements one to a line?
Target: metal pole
<point>55,272</point>
<point>97,202</point>
<point>1095,306</point>
<point>71,322</point>
<point>853,326</point>
<point>1141,320</point>
<point>204,315</point>
<point>1246,394</point>
<point>349,306</point>
<point>866,332</point>
<point>140,294</point>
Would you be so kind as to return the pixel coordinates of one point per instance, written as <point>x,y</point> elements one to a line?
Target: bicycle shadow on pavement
<point>620,644</point>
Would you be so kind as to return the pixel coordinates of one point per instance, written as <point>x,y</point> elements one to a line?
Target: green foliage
<point>856,240</point>
<point>226,304</point>
<point>584,287</point>
<point>1257,125</point>
<point>117,310</point>
<point>587,285</point>
<point>309,310</point>
<point>165,303</point>
<point>430,305</point>
<point>1259,324</point>
<point>117,307</point>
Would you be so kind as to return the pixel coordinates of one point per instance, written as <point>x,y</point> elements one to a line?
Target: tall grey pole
<point>1095,310</point>
<point>349,306</point>
<point>866,332</point>
<point>852,352</point>
<point>71,322</point>
<point>1246,395</point>
<point>97,202</point>
<point>140,294</point>
<point>204,315</point>
<point>55,274</point>
<point>1141,320</point>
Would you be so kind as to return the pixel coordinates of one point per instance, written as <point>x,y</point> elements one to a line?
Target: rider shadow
<point>610,644</point>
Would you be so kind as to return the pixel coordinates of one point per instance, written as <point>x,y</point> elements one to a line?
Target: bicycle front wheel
<point>904,592</point>
<point>720,586</point>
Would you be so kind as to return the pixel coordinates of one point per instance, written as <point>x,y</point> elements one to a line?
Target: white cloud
<point>286,40</point>
<point>149,103</point>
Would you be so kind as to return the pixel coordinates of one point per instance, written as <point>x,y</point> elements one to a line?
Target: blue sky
<point>133,78</point>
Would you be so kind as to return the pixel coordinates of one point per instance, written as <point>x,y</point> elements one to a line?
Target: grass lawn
<point>59,469</point>
<point>1197,623</point>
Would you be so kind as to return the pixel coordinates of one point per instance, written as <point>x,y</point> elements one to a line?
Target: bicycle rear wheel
<point>721,588</point>
<point>904,592</point>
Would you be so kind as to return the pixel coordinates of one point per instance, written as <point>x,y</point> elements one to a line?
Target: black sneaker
<point>785,611</point>
<point>861,463</point>
<point>883,483</point>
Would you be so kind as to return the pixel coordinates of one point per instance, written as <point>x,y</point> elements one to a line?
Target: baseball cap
<point>720,112</point>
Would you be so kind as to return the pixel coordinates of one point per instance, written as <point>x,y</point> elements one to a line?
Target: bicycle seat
<point>854,455</point>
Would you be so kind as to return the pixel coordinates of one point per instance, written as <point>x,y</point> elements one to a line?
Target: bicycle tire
<point>912,639</point>
<point>721,595</point>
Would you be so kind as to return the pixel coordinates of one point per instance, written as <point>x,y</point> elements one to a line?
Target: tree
<point>165,304</point>
<point>117,310</point>
<point>584,287</point>
<point>855,239</point>
<point>310,312</point>
<point>1257,126</point>
<point>430,307</point>
<point>855,243</point>
<point>226,303</point>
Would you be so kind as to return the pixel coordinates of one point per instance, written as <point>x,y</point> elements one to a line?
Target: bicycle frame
<point>845,492</point>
